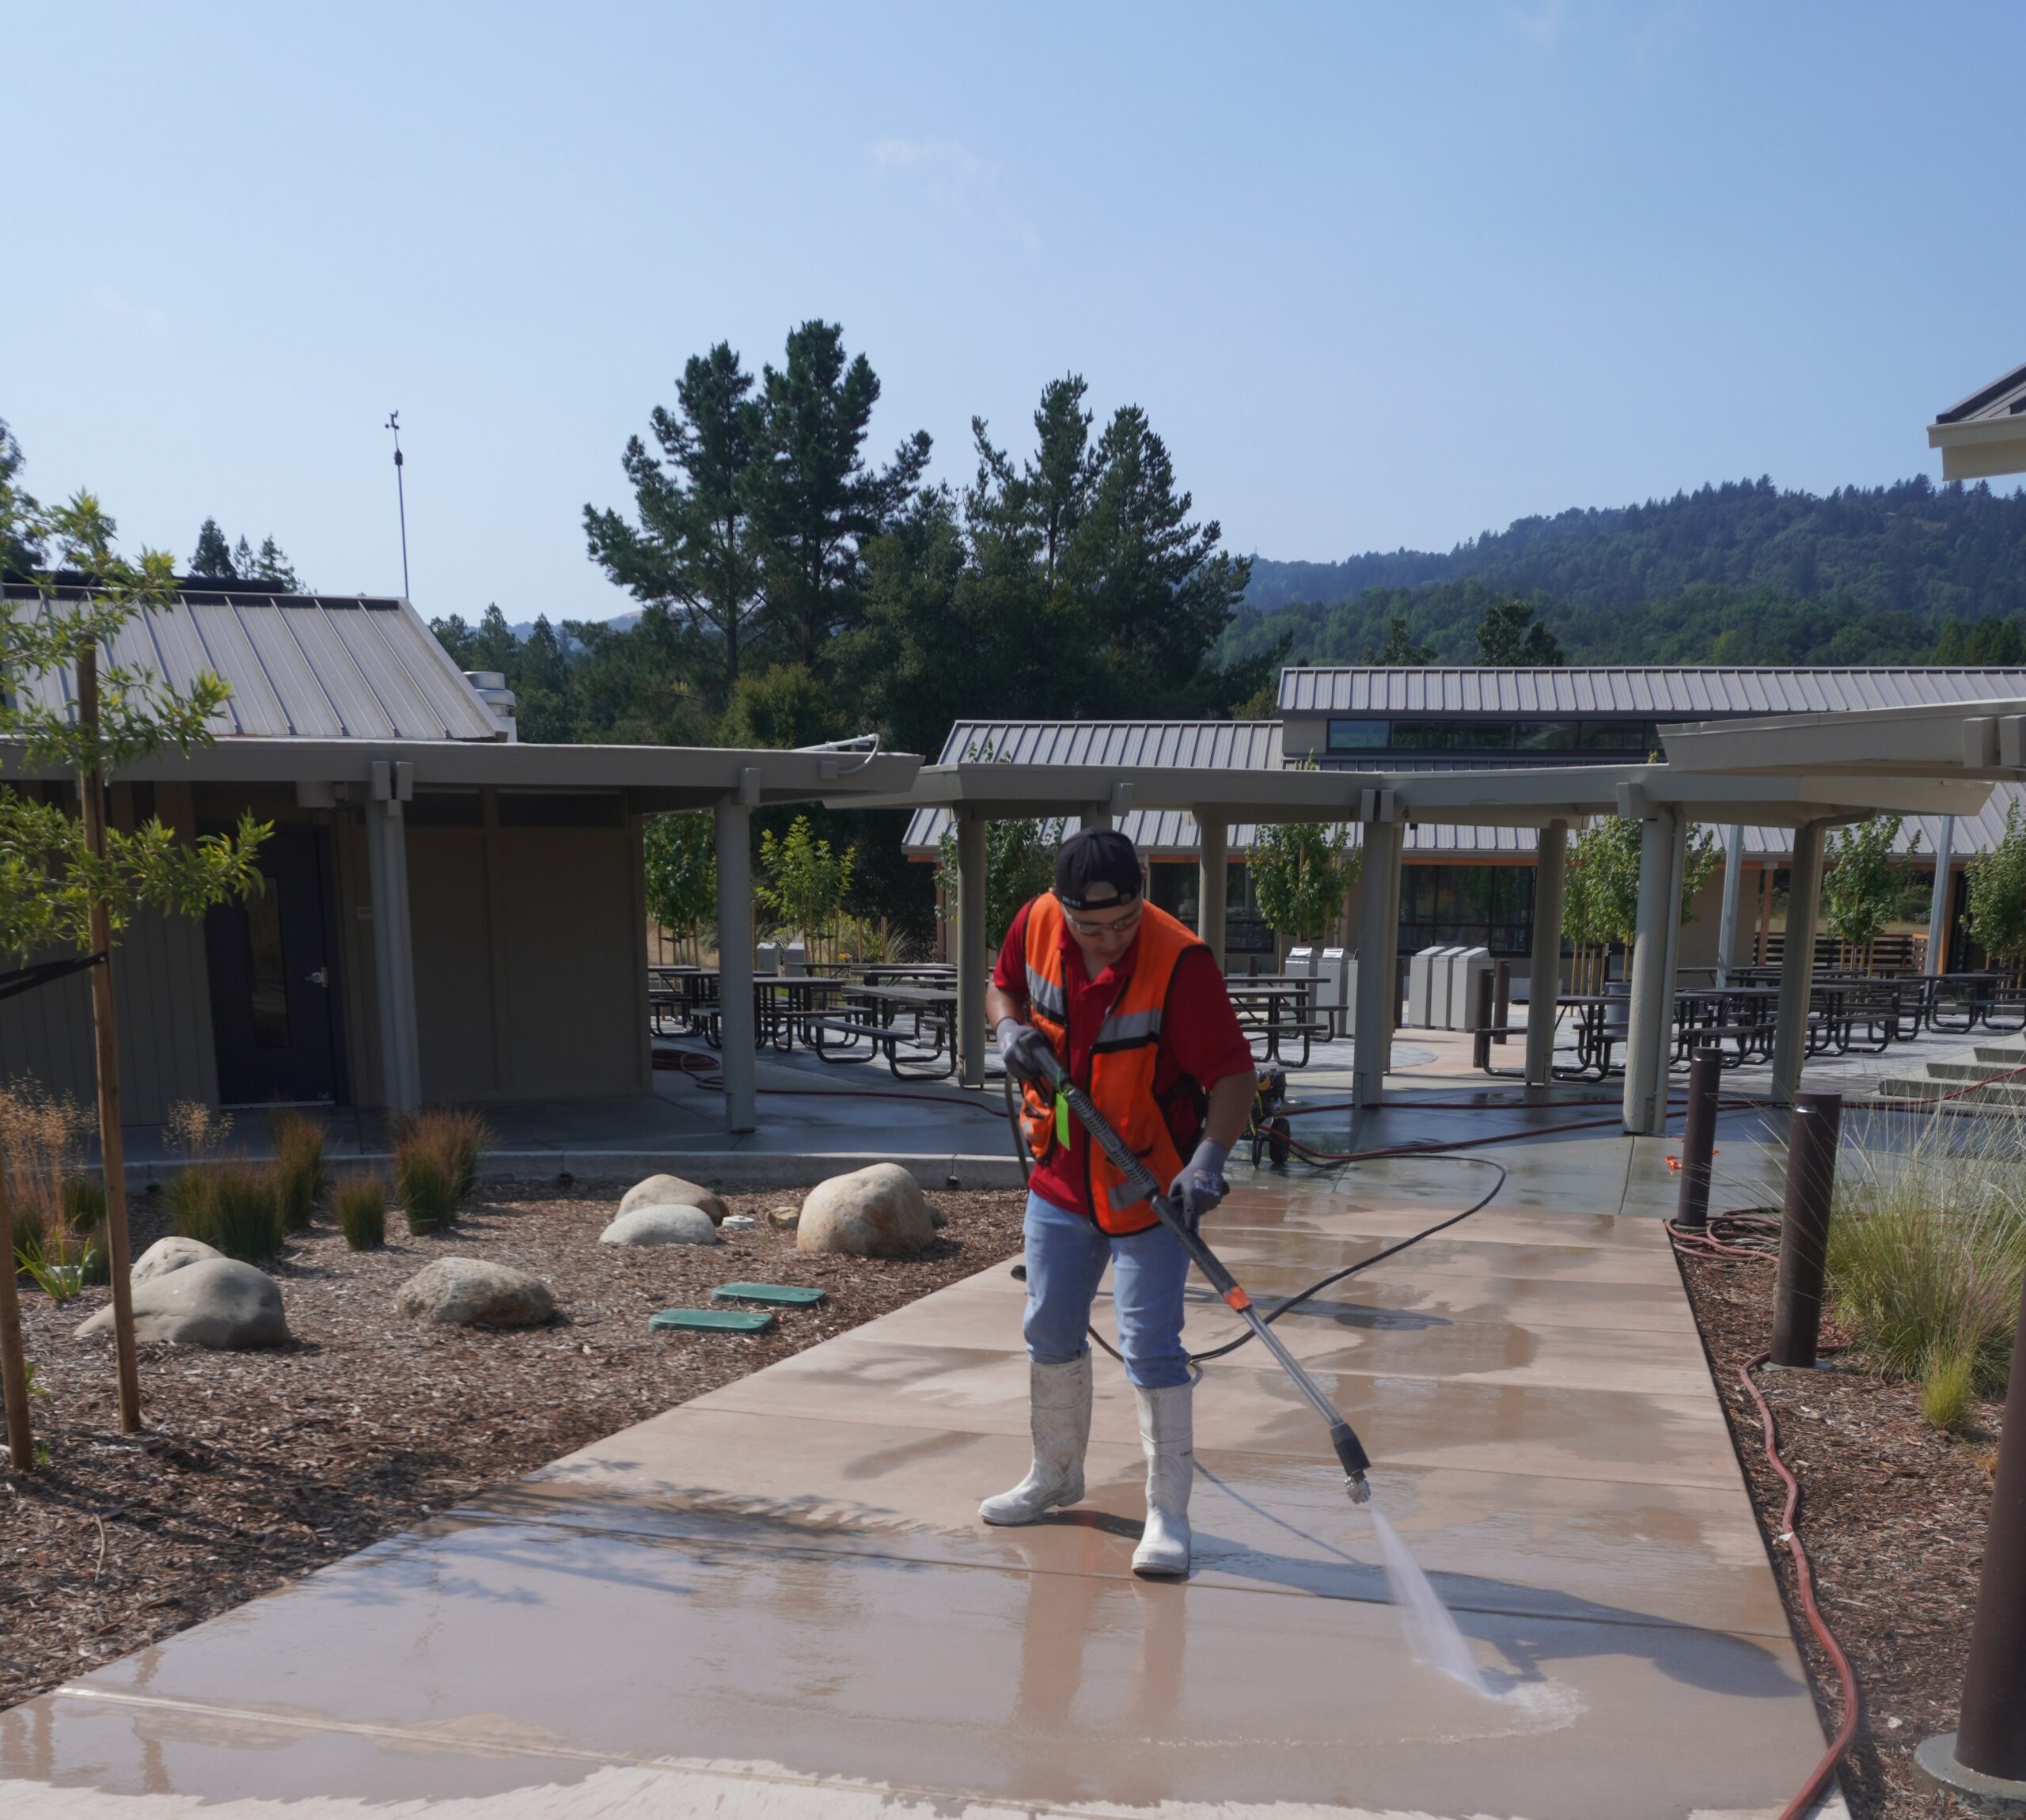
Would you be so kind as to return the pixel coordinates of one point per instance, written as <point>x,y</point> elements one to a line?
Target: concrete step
<point>2001,1055</point>
<point>1921,1087</point>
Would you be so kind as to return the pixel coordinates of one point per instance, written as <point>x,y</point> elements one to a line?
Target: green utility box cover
<point>713,1320</point>
<point>781,1294</point>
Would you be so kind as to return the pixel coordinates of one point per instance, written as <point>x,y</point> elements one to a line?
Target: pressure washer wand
<point>1350,1452</point>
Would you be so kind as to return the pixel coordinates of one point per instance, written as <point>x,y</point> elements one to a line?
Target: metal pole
<point>1797,968</point>
<point>1698,1141</point>
<point>1990,1738</point>
<point>1501,1000</point>
<point>1651,1008</point>
<point>737,1035</point>
<point>105,1036</point>
<point>1379,927</point>
<point>1945,851</point>
<point>401,498</point>
<point>1480,1017</point>
<point>1726,927</point>
<point>974,962</point>
<point>1544,981</point>
<point>1804,1226</point>
<point>1212,875</point>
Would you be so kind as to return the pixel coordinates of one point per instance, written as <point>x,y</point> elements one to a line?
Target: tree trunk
<point>13,1361</point>
<point>105,1034</point>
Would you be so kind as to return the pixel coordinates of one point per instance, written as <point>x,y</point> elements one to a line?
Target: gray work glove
<point>1022,1047</point>
<point>1202,1184</point>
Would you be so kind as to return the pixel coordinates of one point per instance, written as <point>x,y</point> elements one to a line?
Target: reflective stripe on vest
<point>1122,1060</point>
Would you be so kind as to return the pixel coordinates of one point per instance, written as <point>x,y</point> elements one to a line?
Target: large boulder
<point>166,1255</point>
<point>673,1191</point>
<point>469,1292</point>
<point>214,1302</point>
<point>662,1225</point>
<point>877,1211</point>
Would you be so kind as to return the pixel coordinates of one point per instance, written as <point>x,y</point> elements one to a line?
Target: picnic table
<point>883,1017</point>
<point>1273,1008</point>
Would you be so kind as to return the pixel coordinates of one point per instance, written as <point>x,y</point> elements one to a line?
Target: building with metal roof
<point>451,915</point>
<point>1984,433</point>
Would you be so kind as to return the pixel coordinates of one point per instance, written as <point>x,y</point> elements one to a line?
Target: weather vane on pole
<point>401,494</point>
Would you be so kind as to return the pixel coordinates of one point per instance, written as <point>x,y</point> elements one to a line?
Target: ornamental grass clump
<point>361,1205</point>
<point>1927,1252</point>
<point>436,1159</point>
<point>233,1206</point>
<point>300,1173</point>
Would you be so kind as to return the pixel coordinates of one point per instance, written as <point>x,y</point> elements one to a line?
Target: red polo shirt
<point>1201,1040</point>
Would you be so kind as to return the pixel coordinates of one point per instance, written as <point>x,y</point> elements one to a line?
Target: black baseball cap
<point>1093,857</point>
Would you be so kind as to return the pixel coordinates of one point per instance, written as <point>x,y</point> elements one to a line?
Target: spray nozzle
<point>1360,1491</point>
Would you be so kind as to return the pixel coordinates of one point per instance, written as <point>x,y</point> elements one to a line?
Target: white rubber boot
<point>1167,1432</point>
<point>1059,1412</point>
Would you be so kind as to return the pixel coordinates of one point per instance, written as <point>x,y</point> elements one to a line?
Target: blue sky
<point>1382,275</point>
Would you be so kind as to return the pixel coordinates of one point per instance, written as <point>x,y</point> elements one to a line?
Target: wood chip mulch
<point>1893,1514</point>
<point>257,1467</point>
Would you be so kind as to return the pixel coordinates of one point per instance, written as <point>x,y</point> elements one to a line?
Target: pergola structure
<point>1382,805</point>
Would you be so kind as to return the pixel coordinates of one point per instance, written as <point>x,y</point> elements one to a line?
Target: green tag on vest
<point>1062,1119</point>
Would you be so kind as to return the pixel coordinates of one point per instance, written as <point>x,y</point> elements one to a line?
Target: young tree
<point>1511,637</point>
<point>213,555</point>
<point>1600,897</point>
<point>1019,866</point>
<point>1997,913</point>
<point>78,883</point>
<point>681,856</point>
<point>696,551</point>
<point>803,882</point>
<point>1302,874</point>
<point>1861,894</point>
<point>20,550</point>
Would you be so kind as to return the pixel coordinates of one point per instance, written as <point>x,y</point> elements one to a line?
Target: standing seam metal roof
<point>1698,692</point>
<point>301,666</point>
<point>2002,398</point>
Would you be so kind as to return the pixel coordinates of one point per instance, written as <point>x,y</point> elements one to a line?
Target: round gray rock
<point>662,1225</point>
<point>469,1292</point>
<point>877,1211</point>
<point>166,1255</point>
<point>214,1302</point>
<point>673,1191</point>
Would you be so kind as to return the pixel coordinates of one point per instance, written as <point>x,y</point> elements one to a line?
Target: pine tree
<point>1400,651</point>
<point>1511,636</point>
<point>212,558</point>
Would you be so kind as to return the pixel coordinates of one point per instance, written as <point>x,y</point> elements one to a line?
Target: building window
<point>1470,906</point>
<point>1358,735</point>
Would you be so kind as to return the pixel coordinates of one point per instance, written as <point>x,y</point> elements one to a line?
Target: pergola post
<point>1797,967</point>
<point>1651,1020</point>
<point>394,938</point>
<point>973,964</point>
<point>1945,851</point>
<point>1378,938</point>
<point>1213,857</point>
<point>1095,815</point>
<point>737,1034</point>
<point>1544,980</point>
<point>1726,927</point>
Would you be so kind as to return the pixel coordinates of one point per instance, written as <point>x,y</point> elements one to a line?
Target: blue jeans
<point>1066,1257</point>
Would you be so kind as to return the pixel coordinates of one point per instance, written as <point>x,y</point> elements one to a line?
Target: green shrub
<point>362,1213</point>
<point>52,1267</point>
<point>84,1203</point>
<point>427,1189</point>
<point>1927,1251</point>
<point>300,1174</point>
<point>233,1207</point>
<point>436,1159</point>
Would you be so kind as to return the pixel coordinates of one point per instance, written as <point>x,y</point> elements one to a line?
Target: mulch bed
<point>257,1467</point>
<point>1893,1514</point>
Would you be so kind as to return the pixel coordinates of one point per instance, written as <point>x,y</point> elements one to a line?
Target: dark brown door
<point>274,987</point>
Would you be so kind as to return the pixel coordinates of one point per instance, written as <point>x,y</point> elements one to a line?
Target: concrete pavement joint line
<point>942,1801</point>
<point>700,1546</point>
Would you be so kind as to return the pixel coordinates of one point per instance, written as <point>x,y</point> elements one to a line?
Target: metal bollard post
<point>1698,1138</point>
<point>1989,1743</point>
<point>1501,1000</point>
<point>1804,1226</point>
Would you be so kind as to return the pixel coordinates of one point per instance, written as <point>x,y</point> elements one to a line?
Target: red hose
<point>1826,1769</point>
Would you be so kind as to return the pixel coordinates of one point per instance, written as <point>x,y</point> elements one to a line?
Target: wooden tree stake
<point>105,1033</point>
<point>14,1360</point>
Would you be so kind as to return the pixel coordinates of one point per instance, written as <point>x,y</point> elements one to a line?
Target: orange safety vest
<point>1121,1060</point>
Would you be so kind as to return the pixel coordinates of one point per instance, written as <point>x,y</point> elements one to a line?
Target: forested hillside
<point>1741,573</point>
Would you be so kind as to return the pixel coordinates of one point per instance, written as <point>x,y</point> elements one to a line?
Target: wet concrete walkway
<point>776,1600</point>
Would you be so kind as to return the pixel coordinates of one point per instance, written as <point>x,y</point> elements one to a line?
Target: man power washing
<point>1133,1006</point>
